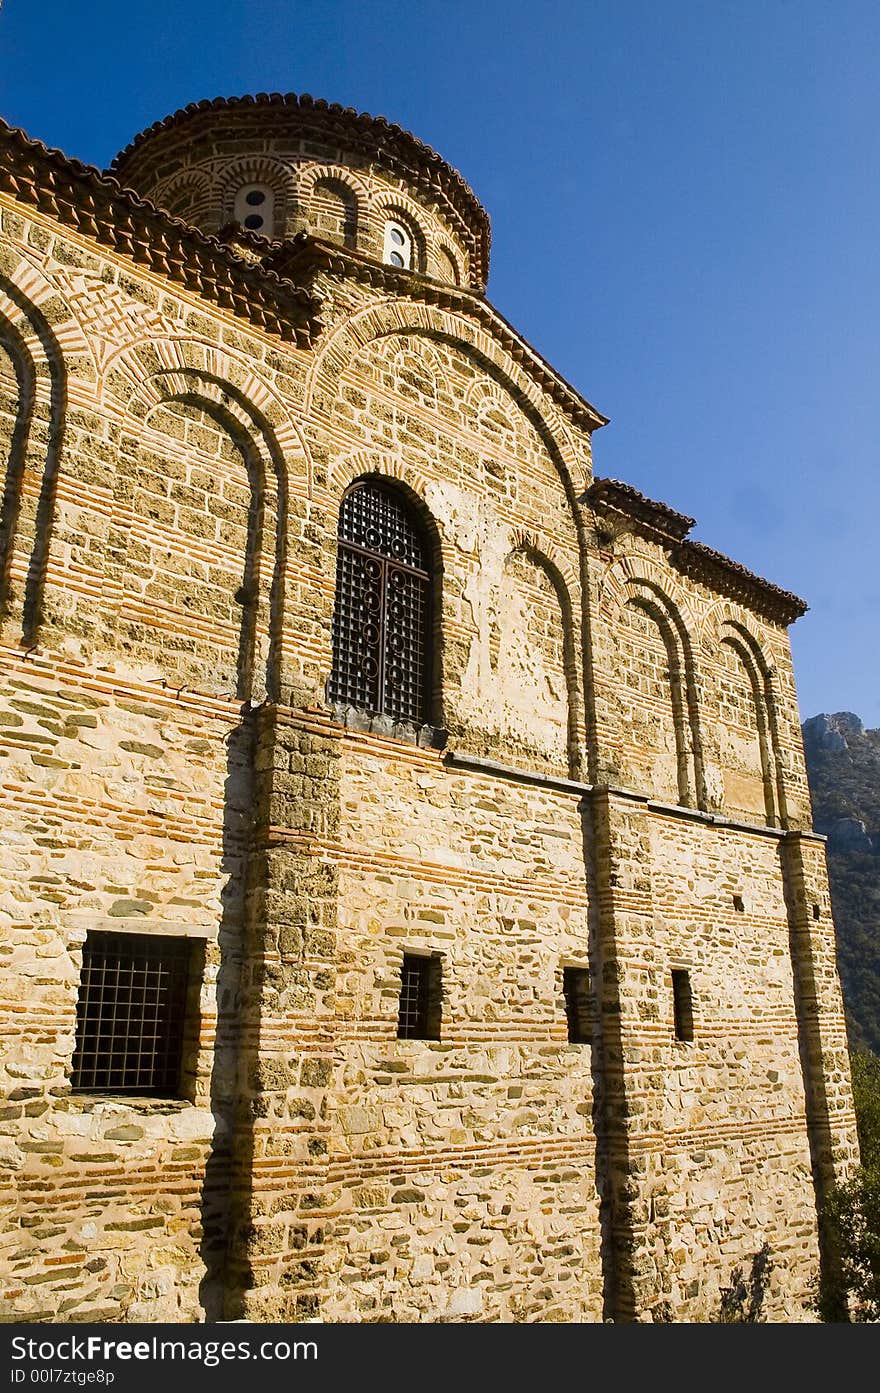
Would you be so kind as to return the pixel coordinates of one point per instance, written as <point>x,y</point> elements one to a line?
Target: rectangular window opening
<point>131,1015</point>
<point>683,1005</point>
<point>576,991</point>
<point>420,998</point>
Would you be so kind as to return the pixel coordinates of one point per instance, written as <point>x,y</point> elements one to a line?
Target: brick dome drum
<point>327,170</point>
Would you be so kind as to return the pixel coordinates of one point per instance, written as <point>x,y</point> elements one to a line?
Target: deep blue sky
<point>685,201</point>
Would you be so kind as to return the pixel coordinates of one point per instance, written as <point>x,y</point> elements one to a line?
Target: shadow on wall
<point>220,1204</point>
<point>44,422</point>
<point>743,1300</point>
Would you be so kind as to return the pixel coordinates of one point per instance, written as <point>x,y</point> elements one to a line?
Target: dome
<point>282,164</point>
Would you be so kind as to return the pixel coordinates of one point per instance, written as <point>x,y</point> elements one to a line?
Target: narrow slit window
<point>739,904</point>
<point>420,987</point>
<point>682,1004</point>
<point>130,1015</point>
<point>576,989</point>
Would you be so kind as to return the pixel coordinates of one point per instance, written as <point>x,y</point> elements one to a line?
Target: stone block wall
<point>136,616</point>
<point>465,1167</point>
<point>611,756</point>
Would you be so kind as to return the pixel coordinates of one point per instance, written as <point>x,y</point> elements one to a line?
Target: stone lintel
<point>137,924</point>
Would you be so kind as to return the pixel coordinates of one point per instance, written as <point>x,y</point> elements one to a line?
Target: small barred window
<point>419,1009</point>
<point>576,992</point>
<point>130,1014</point>
<point>381,615</point>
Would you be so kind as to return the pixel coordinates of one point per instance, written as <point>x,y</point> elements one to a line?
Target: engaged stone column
<point>629,1001</point>
<point>279,1204</point>
<point>821,1023</point>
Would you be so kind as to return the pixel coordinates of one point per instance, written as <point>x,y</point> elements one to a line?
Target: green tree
<point>853,1209</point>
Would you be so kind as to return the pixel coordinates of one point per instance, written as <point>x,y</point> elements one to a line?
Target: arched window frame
<point>346,196</point>
<point>399,247</point>
<point>247,210</point>
<point>383,610</point>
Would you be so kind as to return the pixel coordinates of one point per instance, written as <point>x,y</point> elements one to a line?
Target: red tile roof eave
<point>629,500</point>
<point>81,195</point>
<point>343,261</point>
<point>695,558</point>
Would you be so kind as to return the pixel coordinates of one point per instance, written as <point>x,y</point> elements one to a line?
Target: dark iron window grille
<point>130,1014</point>
<point>682,1003</point>
<point>381,614</point>
<point>419,1011</point>
<point>576,991</point>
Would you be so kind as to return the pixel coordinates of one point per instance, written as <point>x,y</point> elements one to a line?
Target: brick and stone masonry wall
<point>137,613</point>
<point>171,764</point>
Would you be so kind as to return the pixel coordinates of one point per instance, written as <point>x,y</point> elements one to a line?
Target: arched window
<point>381,617</point>
<point>398,248</point>
<point>255,209</point>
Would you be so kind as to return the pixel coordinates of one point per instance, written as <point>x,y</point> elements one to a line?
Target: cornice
<point>304,257</point>
<point>668,528</point>
<point>612,496</point>
<point>96,205</point>
<point>719,572</point>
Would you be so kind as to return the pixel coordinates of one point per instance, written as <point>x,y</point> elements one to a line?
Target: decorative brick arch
<point>355,192</point>
<point>640,567</point>
<point>444,250</point>
<point>531,539</point>
<point>312,174</point>
<point>728,624</point>
<point>276,174</point>
<point>42,335</point>
<point>31,299</point>
<point>406,211</point>
<point>645,592</point>
<point>363,462</point>
<point>393,351</point>
<point>186,195</point>
<point>726,614</point>
<point>128,372</point>
<point>148,376</point>
<point>566,585</point>
<point>498,428</point>
<point>406,316</point>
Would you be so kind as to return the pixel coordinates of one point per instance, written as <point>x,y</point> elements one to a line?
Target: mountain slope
<point>843,766</point>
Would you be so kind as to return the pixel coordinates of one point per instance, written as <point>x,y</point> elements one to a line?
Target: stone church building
<point>409,908</point>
